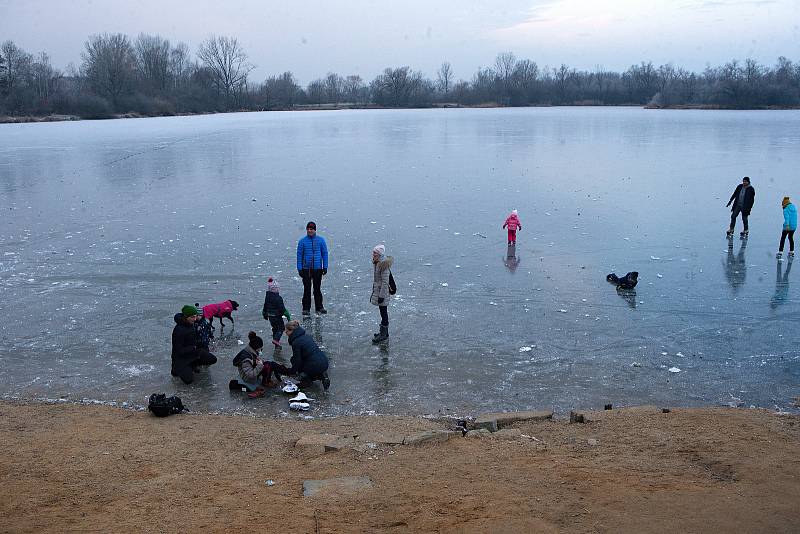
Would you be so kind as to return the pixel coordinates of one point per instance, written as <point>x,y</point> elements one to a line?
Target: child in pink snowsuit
<point>513,224</point>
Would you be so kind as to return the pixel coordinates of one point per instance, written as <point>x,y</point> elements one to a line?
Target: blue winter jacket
<point>790,217</point>
<point>312,253</point>
<point>306,355</point>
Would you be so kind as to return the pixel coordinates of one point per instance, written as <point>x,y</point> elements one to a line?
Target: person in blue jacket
<point>312,265</point>
<point>309,362</point>
<point>789,226</point>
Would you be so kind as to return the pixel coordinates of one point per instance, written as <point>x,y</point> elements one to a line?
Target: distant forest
<point>150,76</point>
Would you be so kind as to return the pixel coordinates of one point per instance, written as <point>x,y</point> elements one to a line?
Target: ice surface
<point>110,252</point>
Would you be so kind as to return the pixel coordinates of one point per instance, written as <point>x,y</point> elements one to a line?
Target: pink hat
<point>272,285</point>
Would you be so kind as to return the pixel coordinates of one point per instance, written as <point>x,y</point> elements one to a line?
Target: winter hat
<point>189,311</point>
<point>786,202</point>
<point>272,285</point>
<point>255,341</point>
<point>311,224</point>
<point>380,249</point>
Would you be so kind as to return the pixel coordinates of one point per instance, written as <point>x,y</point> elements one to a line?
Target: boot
<point>383,335</point>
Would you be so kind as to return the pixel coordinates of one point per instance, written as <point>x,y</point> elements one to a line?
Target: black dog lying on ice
<point>628,281</point>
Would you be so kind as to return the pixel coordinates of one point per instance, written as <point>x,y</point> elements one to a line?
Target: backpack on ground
<point>162,406</point>
<point>392,284</point>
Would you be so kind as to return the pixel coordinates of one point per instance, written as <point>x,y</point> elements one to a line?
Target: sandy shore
<point>102,469</point>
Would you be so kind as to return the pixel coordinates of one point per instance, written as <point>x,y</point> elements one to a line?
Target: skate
<point>744,235</point>
<point>383,336</point>
<point>791,253</point>
<point>779,255</point>
<point>729,234</point>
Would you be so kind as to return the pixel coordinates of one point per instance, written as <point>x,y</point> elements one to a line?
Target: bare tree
<point>281,91</point>
<point>153,62</point>
<point>109,65</point>
<point>17,61</point>
<point>355,90</point>
<point>504,68</point>
<point>444,78</point>
<point>44,80</point>
<point>227,63</point>
<point>334,86</point>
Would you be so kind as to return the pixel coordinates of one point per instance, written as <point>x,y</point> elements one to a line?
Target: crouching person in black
<point>309,363</point>
<point>187,351</point>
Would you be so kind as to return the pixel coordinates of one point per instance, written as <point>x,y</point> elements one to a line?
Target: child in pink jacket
<point>513,224</point>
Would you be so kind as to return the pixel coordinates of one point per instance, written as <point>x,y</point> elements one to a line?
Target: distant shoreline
<point>26,119</point>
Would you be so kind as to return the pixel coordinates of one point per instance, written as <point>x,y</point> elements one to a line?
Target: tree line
<point>148,75</point>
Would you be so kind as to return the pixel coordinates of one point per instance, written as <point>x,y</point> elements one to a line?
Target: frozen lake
<point>109,227</point>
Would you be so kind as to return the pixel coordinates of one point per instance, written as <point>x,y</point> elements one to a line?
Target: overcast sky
<point>312,37</point>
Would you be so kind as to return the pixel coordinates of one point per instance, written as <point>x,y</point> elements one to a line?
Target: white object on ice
<point>444,284</point>
<point>654,258</point>
<point>563,311</point>
<point>300,397</point>
<point>239,342</point>
<point>659,275</point>
<point>421,226</point>
<point>290,387</point>
<point>674,370</point>
<point>525,349</point>
<point>301,406</point>
<point>680,354</point>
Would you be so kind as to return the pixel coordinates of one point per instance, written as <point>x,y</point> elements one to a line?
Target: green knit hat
<point>189,311</point>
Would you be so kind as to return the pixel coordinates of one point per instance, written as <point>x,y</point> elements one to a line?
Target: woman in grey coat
<point>380,289</point>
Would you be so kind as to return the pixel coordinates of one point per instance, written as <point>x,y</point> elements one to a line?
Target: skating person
<point>187,353</point>
<point>742,198</point>
<point>513,224</point>
<point>309,363</point>
<point>274,311</point>
<point>789,226</point>
<point>312,265</point>
<point>381,295</point>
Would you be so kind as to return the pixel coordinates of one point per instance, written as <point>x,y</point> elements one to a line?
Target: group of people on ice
<point>193,329</point>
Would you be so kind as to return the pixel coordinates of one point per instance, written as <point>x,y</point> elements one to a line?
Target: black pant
<point>312,276</point>
<point>790,233</point>
<point>384,315</point>
<point>735,213</point>
<point>277,327</point>
<point>184,368</point>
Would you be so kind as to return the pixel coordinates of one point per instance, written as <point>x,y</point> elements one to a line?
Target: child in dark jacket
<point>274,311</point>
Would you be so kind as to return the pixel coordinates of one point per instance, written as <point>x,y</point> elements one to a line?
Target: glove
<point>324,272</point>
<point>380,301</point>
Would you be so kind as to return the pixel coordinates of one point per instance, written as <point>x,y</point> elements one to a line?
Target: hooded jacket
<point>512,222</point>
<point>217,310</point>
<point>790,217</point>
<point>380,282</point>
<point>306,355</point>
<point>249,367</point>
<point>749,199</point>
<point>312,253</point>
<point>184,340</point>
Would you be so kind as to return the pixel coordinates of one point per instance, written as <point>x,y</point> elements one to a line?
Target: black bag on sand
<point>392,285</point>
<point>161,405</point>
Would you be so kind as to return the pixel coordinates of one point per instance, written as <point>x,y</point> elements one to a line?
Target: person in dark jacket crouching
<point>187,352</point>
<point>309,363</point>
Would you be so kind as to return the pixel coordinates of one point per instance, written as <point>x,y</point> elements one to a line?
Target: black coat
<point>306,355</point>
<point>273,305</point>
<point>749,199</point>
<point>184,340</point>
